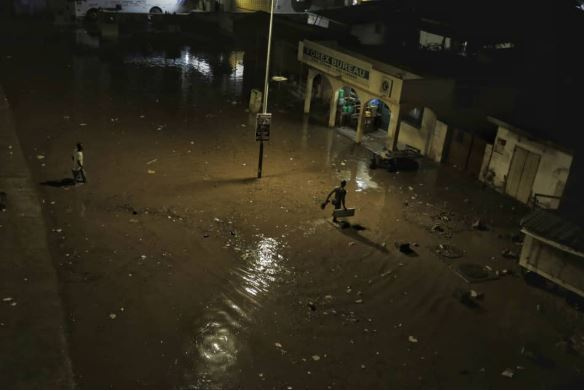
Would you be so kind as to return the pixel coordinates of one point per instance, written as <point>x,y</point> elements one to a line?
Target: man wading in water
<point>78,168</point>
<point>340,194</point>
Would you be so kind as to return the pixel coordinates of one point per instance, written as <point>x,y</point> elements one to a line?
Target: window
<point>500,145</point>
<point>414,117</point>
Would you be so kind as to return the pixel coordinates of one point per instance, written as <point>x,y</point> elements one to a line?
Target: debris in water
<point>359,301</point>
<point>466,297</point>
<point>7,299</point>
<point>151,161</point>
<point>479,225</point>
<point>509,254</point>
<point>508,373</point>
<point>449,251</point>
<point>476,295</point>
<point>82,124</point>
<point>151,172</point>
<point>404,247</point>
<point>278,345</point>
<point>143,256</point>
<point>112,316</point>
<point>311,306</point>
<point>412,339</point>
<point>40,157</point>
<point>316,357</point>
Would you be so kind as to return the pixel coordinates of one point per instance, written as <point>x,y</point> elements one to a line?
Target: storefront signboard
<point>263,122</point>
<point>336,62</point>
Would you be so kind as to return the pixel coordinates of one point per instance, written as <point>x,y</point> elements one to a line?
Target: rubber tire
<point>155,10</point>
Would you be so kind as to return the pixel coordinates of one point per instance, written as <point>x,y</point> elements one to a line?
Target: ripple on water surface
<point>220,339</point>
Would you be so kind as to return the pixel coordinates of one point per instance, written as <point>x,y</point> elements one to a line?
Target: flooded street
<point>178,268</point>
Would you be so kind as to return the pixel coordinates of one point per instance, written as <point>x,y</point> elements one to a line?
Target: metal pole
<point>261,159</point>
<point>266,86</point>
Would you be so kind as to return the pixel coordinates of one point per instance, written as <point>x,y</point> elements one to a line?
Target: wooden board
<point>344,213</point>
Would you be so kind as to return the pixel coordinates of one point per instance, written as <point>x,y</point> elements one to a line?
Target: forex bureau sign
<point>336,63</point>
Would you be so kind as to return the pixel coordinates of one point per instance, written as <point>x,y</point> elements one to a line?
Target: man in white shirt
<point>78,167</point>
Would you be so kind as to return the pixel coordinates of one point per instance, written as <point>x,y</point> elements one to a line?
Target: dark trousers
<point>79,175</point>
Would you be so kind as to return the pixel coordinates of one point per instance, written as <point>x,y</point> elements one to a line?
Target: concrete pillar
<point>308,91</point>
<point>333,108</point>
<point>393,130</point>
<point>360,128</point>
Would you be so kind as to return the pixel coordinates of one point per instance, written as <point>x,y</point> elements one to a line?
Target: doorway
<point>522,172</point>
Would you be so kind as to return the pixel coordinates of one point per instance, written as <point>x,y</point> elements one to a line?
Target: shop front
<point>360,93</point>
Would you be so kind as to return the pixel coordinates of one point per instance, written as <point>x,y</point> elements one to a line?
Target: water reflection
<point>186,60</point>
<point>363,180</point>
<point>225,70</point>
<point>361,177</point>
<point>220,339</point>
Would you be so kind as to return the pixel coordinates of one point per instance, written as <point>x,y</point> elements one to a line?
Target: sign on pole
<point>263,122</point>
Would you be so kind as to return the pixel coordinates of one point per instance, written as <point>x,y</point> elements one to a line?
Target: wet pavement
<point>179,269</point>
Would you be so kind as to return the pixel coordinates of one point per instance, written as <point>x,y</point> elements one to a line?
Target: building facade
<point>532,171</point>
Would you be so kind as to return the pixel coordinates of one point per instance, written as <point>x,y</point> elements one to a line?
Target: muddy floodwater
<point>178,268</point>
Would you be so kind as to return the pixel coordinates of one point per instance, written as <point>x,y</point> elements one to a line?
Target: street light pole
<point>266,86</point>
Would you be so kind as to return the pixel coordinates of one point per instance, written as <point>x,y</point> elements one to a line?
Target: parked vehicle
<point>89,8</point>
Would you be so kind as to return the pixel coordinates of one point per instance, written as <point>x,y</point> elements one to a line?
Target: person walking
<point>78,166</point>
<point>339,199</point>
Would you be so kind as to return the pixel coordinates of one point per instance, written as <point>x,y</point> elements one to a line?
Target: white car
<point>90,8</point>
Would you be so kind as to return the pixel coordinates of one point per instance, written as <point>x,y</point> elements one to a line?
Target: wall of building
<point>428,138</point>
<point>437,141</point>
<point>552,173</point>
<point>369,34</point>
<point>431,92</point>
<point>417,137</point>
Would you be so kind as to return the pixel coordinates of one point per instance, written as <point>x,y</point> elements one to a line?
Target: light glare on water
<point>220,339</point>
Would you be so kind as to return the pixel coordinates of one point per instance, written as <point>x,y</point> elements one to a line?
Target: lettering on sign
<point>263,123</point>
<point>346,67</point>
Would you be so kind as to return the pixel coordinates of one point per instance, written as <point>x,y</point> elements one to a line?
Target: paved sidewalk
<point>33,351</point>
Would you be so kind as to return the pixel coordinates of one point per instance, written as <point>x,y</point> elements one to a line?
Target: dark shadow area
<point>572,299</point>
<point>3,198</point>
<point>405,248</point>
<point>394,164</point>
<point>226,181</point>
<point>533,353</point>
<point>352,231</point>
<point>65,182</point>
